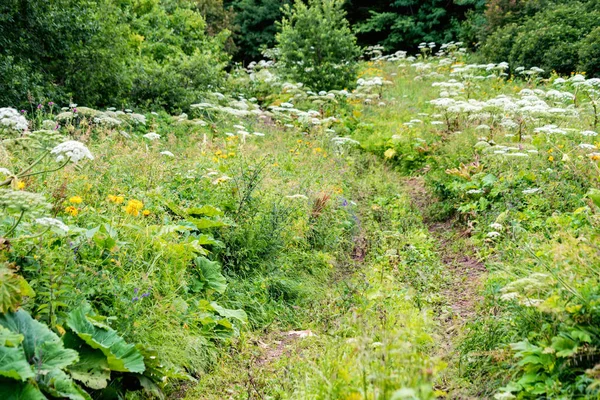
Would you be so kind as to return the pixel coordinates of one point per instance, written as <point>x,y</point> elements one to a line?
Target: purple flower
<point>135,291</point>
<point>345,203</point>
<point>135,299</point>
<point>23,112</point>
<point>50,103</point>
<point>40,106</point>
<point>74,110</point>
<point>145,294</point>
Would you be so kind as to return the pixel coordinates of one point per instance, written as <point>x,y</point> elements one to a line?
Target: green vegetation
<point>107,53</point>
<point>415,225</point>
<point>561,30</point>
<point>316,47</point>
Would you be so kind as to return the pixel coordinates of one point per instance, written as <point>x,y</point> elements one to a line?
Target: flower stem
<point>12,229</point>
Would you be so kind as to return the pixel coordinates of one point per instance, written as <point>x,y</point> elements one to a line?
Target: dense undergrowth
<point>150,255</point>
<point>516,163</point>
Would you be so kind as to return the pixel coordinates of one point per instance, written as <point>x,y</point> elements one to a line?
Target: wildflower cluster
<point>134,207</point>
<point>19,201</point>
<point>12,119</point>
<point>72,151</point>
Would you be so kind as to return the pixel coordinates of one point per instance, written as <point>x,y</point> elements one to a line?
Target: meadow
<point>432,233</point>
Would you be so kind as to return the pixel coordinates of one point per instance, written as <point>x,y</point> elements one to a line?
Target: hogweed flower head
<point>10,118</point>
<point>45,139</point>
<point>71,150</point>
<point>52,223</point>
<point>152,136</point>
<point>22,201</point>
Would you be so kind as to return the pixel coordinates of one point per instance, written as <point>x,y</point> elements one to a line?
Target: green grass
<point>313,236</point>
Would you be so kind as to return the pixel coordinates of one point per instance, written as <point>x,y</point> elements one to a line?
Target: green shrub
<point>316,46</point>
<point>589,53</point>
<point>402,24</point>
<point>255,23</point>
<point>107,53</point>
<point>551,39</point>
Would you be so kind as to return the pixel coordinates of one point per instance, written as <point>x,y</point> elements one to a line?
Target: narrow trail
<point>467,272</point>
<point>466,275</point>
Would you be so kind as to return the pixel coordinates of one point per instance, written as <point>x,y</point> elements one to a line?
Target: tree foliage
<point>403,24</point>
<point>316,46</point>
<point>107,52</point>
<point>255,23</point>
<point>555,37</point>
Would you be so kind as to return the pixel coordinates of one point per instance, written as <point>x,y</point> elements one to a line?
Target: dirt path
<point>456,254</point>
<point>466,275</point>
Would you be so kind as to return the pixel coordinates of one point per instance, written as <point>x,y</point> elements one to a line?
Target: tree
<point>316,46</point>
<point>402,24</point>
<point>256,27</point>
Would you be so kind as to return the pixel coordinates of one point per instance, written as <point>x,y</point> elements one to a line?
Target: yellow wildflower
<point>72,210</point>
<point>550,158</point>
<point>115,199</point>
<point>21,185</point>
<point>75,200</point>
<point>389,153</point>
<point>145,213</point>
<point>134,207</point>
<point>220,180</point>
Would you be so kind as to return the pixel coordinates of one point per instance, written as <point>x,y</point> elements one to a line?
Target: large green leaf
<point>92,368</point>
<point>240,315</point>
<point>594,194</point>
<point>42,347</point>
<point>14,390</point>
<point>12,290</point>
<point>121,356</point>
<point>207,210</point>
<point>13,363</point>
<point>10,339</point>
<point>199,223</point>
<point>60,385</point>
<point>209,240</point>
<point>205,223</point>
<point>211,276</point>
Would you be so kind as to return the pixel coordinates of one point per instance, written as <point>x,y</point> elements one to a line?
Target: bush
<point>316,46</point>
<point>255,23</point>
<point>105,53</point>
<point>61,50</point>
<point>589,53</point>
<point>402,25</point>
<point>553,39</point>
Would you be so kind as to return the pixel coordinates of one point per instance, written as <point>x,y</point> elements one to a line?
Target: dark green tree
<point>403,24</point>
<point>62,49</point>
<point>316,46</point>
<point>108,52</point>
<point>256,27</point>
